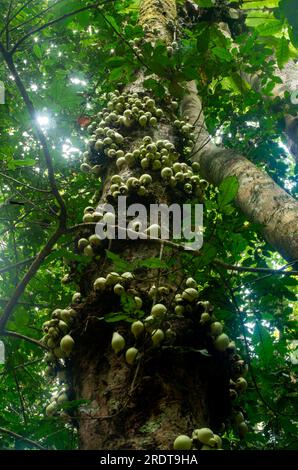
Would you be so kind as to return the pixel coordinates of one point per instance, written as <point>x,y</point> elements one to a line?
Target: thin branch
<point>22,438</point>
<point>29,275</point>
<point>14,334</point>
<point>40,135</point>
<point>21,398</point>
<point>51,23</point>
<point>25,184</point>
<point>269,271</point>
<point>16,265</point>
<point>32,304</point>
<point>16,14</point>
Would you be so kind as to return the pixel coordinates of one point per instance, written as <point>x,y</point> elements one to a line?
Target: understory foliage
<point>69,67</point>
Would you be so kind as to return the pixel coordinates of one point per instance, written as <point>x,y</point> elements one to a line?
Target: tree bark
<point>172,389</point>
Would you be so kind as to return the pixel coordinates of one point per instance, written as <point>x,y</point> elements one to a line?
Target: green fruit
<point>82,243</point>
<point>137,328</point>
<point>76,298</point>
<point>67,344</point>
<point>59,353</point>
<point>112,279</point>
<point>238,417</point>
<point>118,342</point>
<point>85,168</point>
<point>205,317</point>
<point>190,294</point>
<point>127,276</point>
<point>216,328</point>
<point>221,342</point>
<point>95,240</point>
<point>99,283</point>
<point>242,429</point>
<point>158,310</point>
<point>88,218</point>
<point>143,120</point>
<point>51,409</point>
<point>190,282</point>
<point>118,289</point>
<point>131,355</point>
<point>157,337</point>
<point>138,302</point>
<point>109,218</point>
<point>166,173</point>
<point>145,179</point>
<point>182,442</point>
<point>63,326</point>
<point>218,441</point>
<point>203,435</point>
<point>241,384</point>
<point>62,398</point>
<point>88,251</point>
<point>179,309</point>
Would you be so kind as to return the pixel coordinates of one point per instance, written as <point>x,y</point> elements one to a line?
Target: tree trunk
<point>171,389</point>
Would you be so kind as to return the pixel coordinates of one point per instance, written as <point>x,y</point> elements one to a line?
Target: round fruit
<point>131,355</point>
<point>190,294</point>
<point>95,240</point>
<point>137,328</point>
<point>221,342</point>
<point>182,442</point>
<point>205,317</point>
<point>190,282</point>
<point>157,337</point>
<point>218,441</point>
<point>241,384</point>
<point>216,328</point>
<point>88,251</point>
<point>242,429</point>
<point>203,435</point>
<point>118,289</point>
<point>82,243</point>
<point>51,409</point>
<point>158,310</point>
<point>118,342</point>
<point>67,344</point>
<point>76,298</point>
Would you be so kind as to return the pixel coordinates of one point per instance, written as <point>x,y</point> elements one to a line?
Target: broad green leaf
<point>228,190</point>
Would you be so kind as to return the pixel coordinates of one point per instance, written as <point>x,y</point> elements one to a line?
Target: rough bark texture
<point>259,197</point>
<point>171,390</point>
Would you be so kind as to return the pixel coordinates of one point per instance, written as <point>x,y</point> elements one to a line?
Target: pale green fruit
<point>118,342</point>
<point>85,168</point>
<point>241,384</point>
<point>82,243</point>
<point>63,326</point>
<point>221,342</point>
<point>118,289</point>
<point>157,337</point>
<point>190,294</point>
<point>59,353</point>
<point>95,240</point>
<point>62,398</point>
<point>203,435</point>
<point>182,442</point>
<point>51,409</point>
<point>137,328</point>
<point>179,309</point>
<point>205,317</point>
<point>112,279</point>
<point>166,173</point>
<point>131,355</point>
<point>158,310</point>
<point>76,298</point>
<point>145,179</point>
<point>87,218</point>
<point>109,218</point>
<point>242,429</point>
<point>88,251</point>
<point>127,276</point>
<point>99,283</point>
<point>143,120</point>
<point>67,344</point>
<point>190,282</point>
<point>138,302</point>
<point>216,328</point>
<point>238,418</point>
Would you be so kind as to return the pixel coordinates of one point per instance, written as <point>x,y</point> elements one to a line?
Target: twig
<point>16,265</point>
<point>14,334</point>
<point>22,438</point>
<point>25,184</point>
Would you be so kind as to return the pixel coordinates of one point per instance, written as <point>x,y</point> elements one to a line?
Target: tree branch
<point>39,133</point>
<point>22,438</point>
<point>16,265</point>
<point>25,184</point>
<point>29,275</point>
<point>14,334</point>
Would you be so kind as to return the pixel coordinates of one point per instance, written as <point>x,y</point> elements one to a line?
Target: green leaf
<point>115,317</point>
<point>222,54</point>
<point>37,51</point>
<point>270,28</point>
<point>228,190</point>
<point>282,52</point>
<point>119,263</point>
